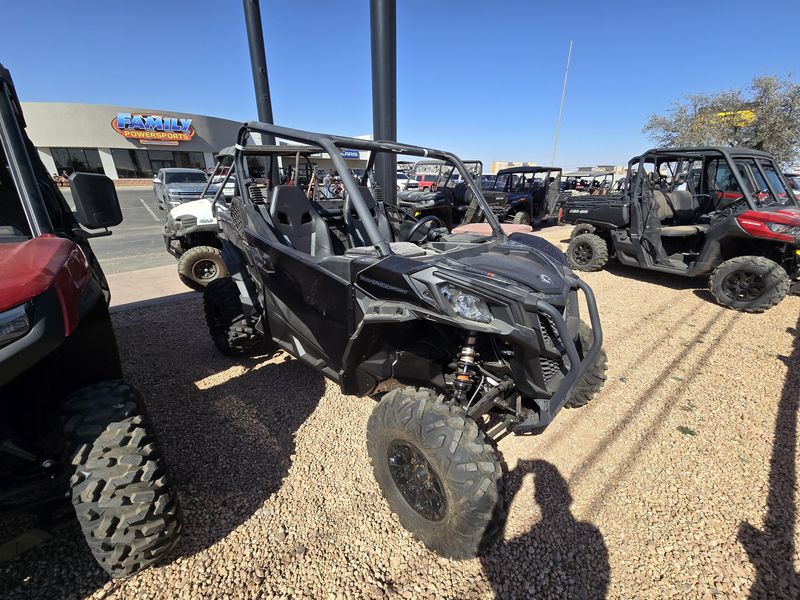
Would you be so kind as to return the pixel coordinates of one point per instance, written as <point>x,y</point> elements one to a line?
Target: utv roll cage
<point>605,179</point>
<point>444,171</point>
<point>508,170</point>
<point>13,141</point>
<point>657,156</point>
<point>315,143</point>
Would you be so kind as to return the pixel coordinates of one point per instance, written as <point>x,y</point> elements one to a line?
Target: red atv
<point>69,426</point>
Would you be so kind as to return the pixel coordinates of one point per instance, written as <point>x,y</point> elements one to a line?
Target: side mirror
<point>156,179</point>
<point>96,200</point>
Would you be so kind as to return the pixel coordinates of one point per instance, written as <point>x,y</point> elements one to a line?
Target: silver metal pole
<point>561,108</point>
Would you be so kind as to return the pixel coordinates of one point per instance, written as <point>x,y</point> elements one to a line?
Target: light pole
<point>383,36</point>
<point>561,107</point>
<point>258,62</point>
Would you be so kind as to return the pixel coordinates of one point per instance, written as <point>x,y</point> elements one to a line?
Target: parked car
<point>71,430</point>
<point>405,183</point>
<point>426,181</point>
<point>462,338</point>
<point>174,186</point>
<point>726,213</point>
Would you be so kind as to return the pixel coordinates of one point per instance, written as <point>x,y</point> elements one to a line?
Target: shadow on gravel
<point>226,427</point>
<point>705,294</point>
<point>566,558</point>
<point>236,449</point>
<point>675,282</point>
<point>771,550</point>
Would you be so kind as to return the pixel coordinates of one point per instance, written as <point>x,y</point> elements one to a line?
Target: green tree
<point>764,116</point>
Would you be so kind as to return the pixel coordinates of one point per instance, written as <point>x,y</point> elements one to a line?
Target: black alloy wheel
<point>749,283</point>
<point>583,253</point>
<point>744,285</point>
<point>416,480</point>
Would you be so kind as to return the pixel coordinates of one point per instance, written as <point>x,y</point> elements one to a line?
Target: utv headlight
<point>466,305</point>
<point>13,324</point>
<point>782,228</point>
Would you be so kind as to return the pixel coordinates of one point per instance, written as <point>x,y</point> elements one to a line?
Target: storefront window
<point>138,164</point>
<point>85,160</point>
<point>165,159</point>
<point>132,164</point>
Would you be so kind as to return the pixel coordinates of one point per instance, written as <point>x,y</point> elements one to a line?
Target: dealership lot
<point>677,481</point>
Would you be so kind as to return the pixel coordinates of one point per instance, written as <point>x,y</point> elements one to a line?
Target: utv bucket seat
<point>298,223</point>
<point>355,226</point>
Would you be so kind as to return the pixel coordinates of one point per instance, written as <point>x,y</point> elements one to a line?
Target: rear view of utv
<point>727,213</point>
<point>462,339</point>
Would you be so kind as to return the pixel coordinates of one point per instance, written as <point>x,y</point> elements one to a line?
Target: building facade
<point>123,142</point>
<point>129,143</point>
<point>498,165</point>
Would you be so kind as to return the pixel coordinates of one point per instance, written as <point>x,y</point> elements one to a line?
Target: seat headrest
<point>289,206</point>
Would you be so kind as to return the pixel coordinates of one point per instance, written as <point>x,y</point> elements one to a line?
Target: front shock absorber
<point>464,373</point>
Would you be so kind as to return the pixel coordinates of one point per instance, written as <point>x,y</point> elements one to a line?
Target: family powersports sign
<point>153,129</point>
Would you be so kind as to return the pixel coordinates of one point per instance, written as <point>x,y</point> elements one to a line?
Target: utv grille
<point>551,367</point>
<point>236,214</point>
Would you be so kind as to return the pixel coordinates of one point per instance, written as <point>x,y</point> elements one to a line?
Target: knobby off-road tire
<point>521,218</point>
<point>581,228</point>
<point>595,377</point>
<point>449,458</point>
<point>231,331</point>
<point>749,283</point>
<point>199,266</point>
<point>587,252</point>
<point>120,487</point>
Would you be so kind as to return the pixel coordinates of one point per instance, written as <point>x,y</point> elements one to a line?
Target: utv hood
<point>196,208</point>
<point>526,260</point>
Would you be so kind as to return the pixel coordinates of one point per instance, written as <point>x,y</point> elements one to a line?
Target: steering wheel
<point>420,223</point>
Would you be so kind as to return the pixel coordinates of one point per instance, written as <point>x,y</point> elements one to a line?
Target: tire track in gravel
<point>639,408</point>
<point>575,418</point>
<point>614,478</point>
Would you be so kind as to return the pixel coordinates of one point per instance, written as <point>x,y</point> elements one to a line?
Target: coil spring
<point>464,363</point>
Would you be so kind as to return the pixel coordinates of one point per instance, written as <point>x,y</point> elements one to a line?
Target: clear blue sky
<point>478,77</point>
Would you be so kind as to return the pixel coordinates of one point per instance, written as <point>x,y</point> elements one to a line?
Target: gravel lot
<point>677,481</point>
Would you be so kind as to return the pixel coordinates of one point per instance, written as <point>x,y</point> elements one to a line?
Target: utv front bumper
<point>172,238</point>
<point>538,420</point>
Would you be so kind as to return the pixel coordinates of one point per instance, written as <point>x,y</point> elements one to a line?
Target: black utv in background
<point>69,426</point>
<point>724,212</point>
<point>524,195</point>
<point>463,338</point>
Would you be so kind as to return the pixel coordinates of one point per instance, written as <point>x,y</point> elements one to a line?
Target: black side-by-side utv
<point>70,428</point>
<point>724,212</point>
<point>463,338</point>
<point>524,195</point>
